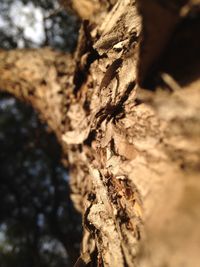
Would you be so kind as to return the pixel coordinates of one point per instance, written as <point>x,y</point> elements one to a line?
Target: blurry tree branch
<point>39,77</point>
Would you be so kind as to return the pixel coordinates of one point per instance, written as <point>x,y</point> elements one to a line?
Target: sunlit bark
<point>133,153</point>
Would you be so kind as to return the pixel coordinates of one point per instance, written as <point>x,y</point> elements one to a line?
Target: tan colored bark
<point>41,77</point>
<point>93,10</point>
<point>133,153</point>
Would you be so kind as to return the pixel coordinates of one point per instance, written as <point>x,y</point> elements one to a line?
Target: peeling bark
<point>133,153</point>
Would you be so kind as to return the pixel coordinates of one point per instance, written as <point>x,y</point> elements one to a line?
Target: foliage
<point>38,223</point>
<point>36,23</point>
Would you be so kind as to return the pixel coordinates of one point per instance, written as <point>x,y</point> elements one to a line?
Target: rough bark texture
<point>39,77</point>
<point>133,153</point>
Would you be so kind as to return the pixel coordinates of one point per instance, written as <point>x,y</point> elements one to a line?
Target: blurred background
<point>38,224</point>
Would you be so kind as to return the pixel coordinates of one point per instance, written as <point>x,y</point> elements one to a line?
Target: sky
<point>31,25</point>
<point>30,20</point>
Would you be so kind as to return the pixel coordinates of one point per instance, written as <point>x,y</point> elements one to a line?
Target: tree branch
<point>133,153</point>
<point>39,77</point>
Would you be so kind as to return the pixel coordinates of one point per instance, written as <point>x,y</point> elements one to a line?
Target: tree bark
<point>133,153</point>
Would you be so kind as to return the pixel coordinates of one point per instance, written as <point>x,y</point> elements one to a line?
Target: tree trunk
<point>125,109</point>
